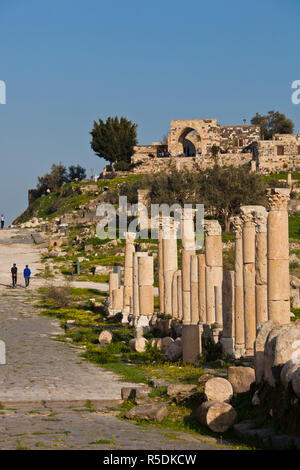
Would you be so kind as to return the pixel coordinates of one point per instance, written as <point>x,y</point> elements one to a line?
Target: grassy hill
<point>69,198</point>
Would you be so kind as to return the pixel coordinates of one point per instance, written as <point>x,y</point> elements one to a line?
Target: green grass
<point>294,226</point>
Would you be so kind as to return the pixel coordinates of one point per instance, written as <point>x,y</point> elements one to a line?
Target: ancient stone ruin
<point>202,300</point>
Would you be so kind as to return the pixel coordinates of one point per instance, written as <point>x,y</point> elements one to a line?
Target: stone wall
<point>271,158</point>
<point>155,165</point>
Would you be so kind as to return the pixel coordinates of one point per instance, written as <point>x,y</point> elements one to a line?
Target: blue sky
<point>68,62</point>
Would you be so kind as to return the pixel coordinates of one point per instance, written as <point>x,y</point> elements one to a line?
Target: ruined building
<point>200,143</point>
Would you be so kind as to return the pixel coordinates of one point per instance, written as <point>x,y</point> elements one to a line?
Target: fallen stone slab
<point>138,344</point>
<point>241,378</point>
<point>217,416</point>
<point>218,389</point>
<point>156,412</point>
<point>174,351</point>
<point>130,393</point>
<point>175,389</point>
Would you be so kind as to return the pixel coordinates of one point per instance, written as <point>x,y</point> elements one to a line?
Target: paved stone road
<point>42,368</point>
<point>42,371</point>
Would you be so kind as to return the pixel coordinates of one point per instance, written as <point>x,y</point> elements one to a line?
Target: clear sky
<point>68,62</point>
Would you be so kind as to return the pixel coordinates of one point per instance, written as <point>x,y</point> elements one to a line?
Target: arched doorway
<point>189,143</point>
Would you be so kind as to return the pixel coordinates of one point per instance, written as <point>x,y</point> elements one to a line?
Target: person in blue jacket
<point>27,274</point>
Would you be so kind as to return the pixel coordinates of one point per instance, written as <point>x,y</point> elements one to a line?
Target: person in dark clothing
<point>2,221</point>
<point>14,272</point>
<point>27,274</point>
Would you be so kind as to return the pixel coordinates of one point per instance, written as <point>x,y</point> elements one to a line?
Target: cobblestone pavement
<point>41,371</point>
<point>42,368</point>
<point>62,427</point>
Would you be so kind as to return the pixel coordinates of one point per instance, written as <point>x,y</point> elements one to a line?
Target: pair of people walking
<point>26,274</point>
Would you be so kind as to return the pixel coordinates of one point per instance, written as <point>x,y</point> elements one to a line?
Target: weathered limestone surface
<point>278,256</point>
<point>201,289</point>
<point>214,265</point>
<point>218,389</point>
<point>105,337</point>
<point>263,331</point>
<point>249,277</point>
<point>135,289</point>
<point>261,267</point>
<point>156,411</point>
<point>217,416</point>
<point>239,320</point>
<point>241,378</point>
<point>169,244</point>
<point>128,274</point>
<point>194,290</point>
<point>145,279</point>
<point>227,339</point>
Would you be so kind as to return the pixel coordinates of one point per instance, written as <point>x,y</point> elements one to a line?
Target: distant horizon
<point>66,64</point>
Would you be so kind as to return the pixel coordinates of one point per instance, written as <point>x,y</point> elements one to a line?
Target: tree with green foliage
<point>222,190</point>
<point>225,189</point>
<point>273,123</point>
<point>114,140</point>
<point>53,180</point>
<point>76,173</point>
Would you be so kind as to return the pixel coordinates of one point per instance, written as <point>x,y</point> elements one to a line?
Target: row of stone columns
<point>230,304</point>
<point>261,277</point>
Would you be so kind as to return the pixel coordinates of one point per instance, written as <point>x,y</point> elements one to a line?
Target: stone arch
<point>189,142</point>
<point>201,132</point>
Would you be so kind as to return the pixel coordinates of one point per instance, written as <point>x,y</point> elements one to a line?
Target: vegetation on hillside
<point>114,140</point>
<point>273,123</point>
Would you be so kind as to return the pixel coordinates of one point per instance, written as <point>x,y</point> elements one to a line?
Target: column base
<point>125,314</point>
<point>239,351</point>
<point>215,334</point>
<point>191,342</point>
<point>227,346</point>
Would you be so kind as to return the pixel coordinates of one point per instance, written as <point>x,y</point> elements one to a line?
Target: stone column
<point>289,179</point>
<point>146,290</point>
<point>117,300</point>
<point>175,295</point>
<point>239,317</point>
<point>227,339</point>
<point>214,265</point>
<point>191,335</point>
<point>201,289</point>
<point>113,285</point>
<point>135,290</point>
<point>170,266</point>
<point>143,200</point>
<point>161,281</point>
<point>278,256</point>
<point>188,249</point>
<point>194,291</point>
<point>249,277</point>
<point>179,295</point>
<point>128,272</point>
<point>261,269</point>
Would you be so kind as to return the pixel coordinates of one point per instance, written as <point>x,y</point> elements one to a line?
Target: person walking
<point>27,274</point>
<point>2,221</point>
<point>14,272</point>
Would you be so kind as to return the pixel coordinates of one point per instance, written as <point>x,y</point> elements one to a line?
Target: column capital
<point>260,216</point>
<point>212,227</point>
<point>278,198</point>
<point>237,224</point>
